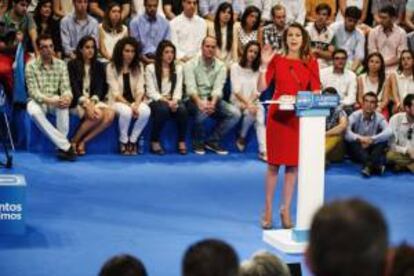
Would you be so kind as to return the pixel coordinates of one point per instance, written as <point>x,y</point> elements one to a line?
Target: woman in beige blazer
<point>126,93</point>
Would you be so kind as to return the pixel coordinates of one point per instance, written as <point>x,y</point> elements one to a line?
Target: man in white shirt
<point>342,79</point>
<point>296,10</point>
<point>401,153</point>
<point>349,38</point>
<point>187,31</point>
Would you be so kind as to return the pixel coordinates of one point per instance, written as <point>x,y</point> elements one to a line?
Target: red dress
<point>282,132</point>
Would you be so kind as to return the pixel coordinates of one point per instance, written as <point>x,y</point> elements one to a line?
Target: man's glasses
<point>410,133</point>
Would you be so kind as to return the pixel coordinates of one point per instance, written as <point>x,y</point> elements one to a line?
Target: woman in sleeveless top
<point>249,27</point>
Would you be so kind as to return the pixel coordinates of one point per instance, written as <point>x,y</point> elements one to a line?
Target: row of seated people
<point>330,252</point>
<point>187,31</point>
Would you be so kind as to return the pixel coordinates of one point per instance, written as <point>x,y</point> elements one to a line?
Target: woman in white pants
<point>245,96</point>
<point>126,93</point>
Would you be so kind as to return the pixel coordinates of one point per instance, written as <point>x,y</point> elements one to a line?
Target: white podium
<point>312,109</point>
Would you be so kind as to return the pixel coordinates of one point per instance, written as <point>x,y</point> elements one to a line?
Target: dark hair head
<point>36,14</point>
<point>353,12</point>
<point>339,51</point>
<point>348,238</point>
<point>256,62</point>
<point>210,257</point>
<point>18,1</point>
<point>42,37</point>
<point>117,56</point>
<point>324,7</point>
<point>217,26</point>
<point>408,100</point>
<point>275,8</point>
<point>403,264</point>
<point>158,64</point>
<point>82,43</point>
<point>123,265</point>
<point>390,10</point>
<point>370,94</point>
<point>400,66</point>
<point>330,91</point>
<point>106,22</point>
<point>305,47</point>
<point>249,10</point>
<point>381,72</point>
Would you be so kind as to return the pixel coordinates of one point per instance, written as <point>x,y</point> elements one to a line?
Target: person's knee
<point>144,111</point>
<point>34,110</point>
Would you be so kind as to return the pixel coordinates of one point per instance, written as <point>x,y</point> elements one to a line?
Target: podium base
<point>282,240</point>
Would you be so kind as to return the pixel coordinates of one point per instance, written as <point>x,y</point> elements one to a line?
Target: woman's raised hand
<point>266,55</point>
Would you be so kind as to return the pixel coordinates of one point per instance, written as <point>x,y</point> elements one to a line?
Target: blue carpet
<point>79,214</point>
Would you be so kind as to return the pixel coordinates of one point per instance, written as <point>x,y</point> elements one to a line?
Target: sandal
<point>80,149</point>
<point>132,148</point>
<point>285,218</point>
<point>123,149</point>
<point>266,225</point>
<point>183,149</point>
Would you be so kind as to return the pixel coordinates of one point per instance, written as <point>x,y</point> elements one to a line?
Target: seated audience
<point>398,5</point>
<point>49,90</point>
<point>373,80</point>
<point>360,4</point>
<point>172,8</point>
<point>210,257</point>
<point>97,8</point>
<point>336,124</point>
<point>61,8</point>
<point>249,28</point>
<point>164,81</point>
<point>321,36</point>
<point>272,34</point>
<point>16,26</point>
<point>204,80</point>
<point>46,24</point>
<point>263,6</point>
<point>367,136</point>
<point>244,76</point>
<point>4,6</point>
<point>349,38</point>
<point>187,31</point>
<point>111,30</point>
<point>264,263</point>
<point>388,39</point>
<point>126,93</point>
<point>347,237</point>
<point>343,80</point>
<point>401,153</point>
<point>295,10</point>
<point>224,30</point>
<point>402,81</point>
<point>88,82</point>
<point>150,29</point>
<point>123,265</point>
<point>76,25</point>
<point>209,8</point>
<point>311,9</point>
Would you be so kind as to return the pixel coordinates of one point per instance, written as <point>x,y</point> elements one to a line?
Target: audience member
<point>187,31</point>
<point>336,124</point>
<point>249,27</point>
<point>401,153</point>
<point>49,89</point>
<point>61,8</point>
<point>295,10</point>
<point>387,38</point>
<point>172,8</point>
<point>398,5</point>
<point>123,265</point>
<point>126,93</point>
<point>311,9</point>
<point>272,34</point>
<point>321,36</point>
<point>367,135</point>
<point>343,80</point>
<point>4,6</point>
<point>360,4</point>
<point>164,81</point>
<point>111,30</point>
<point>89,89</point>
<point>209,8</point>
<point>150,29</point>
<point>244,76</point>
<point>224,30</point>
<point>46,24</point>
<point>264,263</point>
<point>97,8</point>
<point>347,238</point>
<point>204,80</point>
<point>402,81</point>
<point>210,257</point>
<point>16,27</point>
<point>263,6</point>
<point>348,37</point>
<point>409,13</point>
<point>403,262</point>
<point>76,25</point>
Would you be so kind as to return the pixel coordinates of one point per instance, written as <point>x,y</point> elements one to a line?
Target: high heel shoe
<point>285,218</point>
<point>266,225</point>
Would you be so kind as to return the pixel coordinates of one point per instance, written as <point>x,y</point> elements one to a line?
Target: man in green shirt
<point>204,79</point>
<point>49,90</point>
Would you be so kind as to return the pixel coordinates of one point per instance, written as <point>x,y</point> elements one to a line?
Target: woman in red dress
<point>294,70</point>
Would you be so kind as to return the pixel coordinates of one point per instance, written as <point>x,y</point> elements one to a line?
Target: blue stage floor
<point>81,213</point>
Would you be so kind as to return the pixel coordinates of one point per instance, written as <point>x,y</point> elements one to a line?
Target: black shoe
<point>241,144</point>
<point>198,148</point>
<point>69,155</point>
<point>214,146</point>
<point>159,151</point>
<point>366,171</point>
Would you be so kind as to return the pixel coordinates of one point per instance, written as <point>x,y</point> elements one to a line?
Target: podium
<point>312,110</point>
<point>12,204</point>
